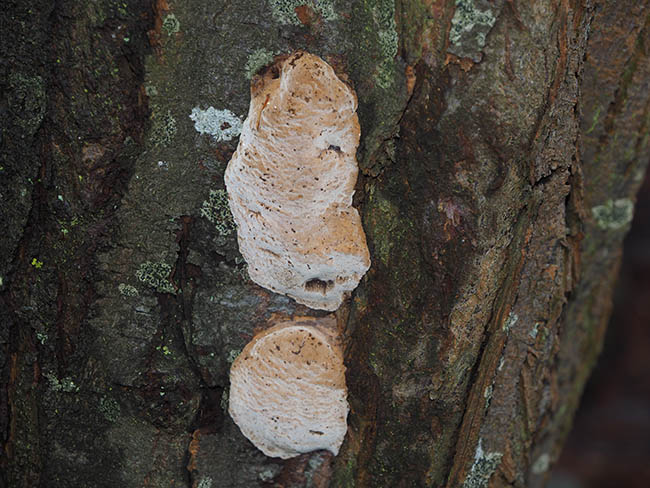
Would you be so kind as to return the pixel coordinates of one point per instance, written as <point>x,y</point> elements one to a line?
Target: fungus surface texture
<point>291,180</point>
<point>287,389</point>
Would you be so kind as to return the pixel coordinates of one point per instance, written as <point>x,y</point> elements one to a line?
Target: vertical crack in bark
<point>625,80</point>
<point>487,359</point>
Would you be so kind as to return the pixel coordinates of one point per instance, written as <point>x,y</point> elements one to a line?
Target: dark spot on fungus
<point>319,286</point>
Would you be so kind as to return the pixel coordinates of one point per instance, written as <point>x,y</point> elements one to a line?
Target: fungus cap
<point>291,180</point>
<point>287,389</point>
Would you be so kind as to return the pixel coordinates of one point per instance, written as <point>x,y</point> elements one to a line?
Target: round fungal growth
<point>287,389</point>
<point>291,180</point>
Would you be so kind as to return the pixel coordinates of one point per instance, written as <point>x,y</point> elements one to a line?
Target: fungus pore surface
<point>287,389</point>
<point>291,180</point>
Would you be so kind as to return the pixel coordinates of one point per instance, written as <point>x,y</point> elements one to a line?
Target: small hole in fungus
<point>319,286</point>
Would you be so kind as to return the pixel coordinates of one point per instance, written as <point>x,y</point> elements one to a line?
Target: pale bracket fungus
<point>287,389</point>
<point>291,180</point>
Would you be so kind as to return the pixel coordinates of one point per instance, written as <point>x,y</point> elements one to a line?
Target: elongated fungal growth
<point>287,389</point>
<point>291,180</point>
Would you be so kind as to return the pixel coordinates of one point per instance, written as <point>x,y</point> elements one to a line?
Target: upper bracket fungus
<point>287,389</point>
<point>291,180</point>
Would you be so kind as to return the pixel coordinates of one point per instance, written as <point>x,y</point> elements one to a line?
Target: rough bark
<point>503,143</point>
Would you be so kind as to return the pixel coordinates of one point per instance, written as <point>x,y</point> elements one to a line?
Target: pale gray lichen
<point>541,465</point>
<point>150,90</point>
<point>614,214</point>
<point>66,384</point>
<point>502,362</point>
<point>127,290</point>
<point>510,321</point>
<point>470,25</point>
<point>223,125</point>
<point>232,355</point>
<point>284,11</point>
<point>315,462</point>
<point>484,466</point>
<point>171,24</point>
<point>268,473</point>
<point>258,59</point>
<point>42,337</point>
<point>225,398</point>
<point>217,211</point>
<point>487,394</point>
<point>533,332</point>
<point>156,276</point>
<point>205,483</point>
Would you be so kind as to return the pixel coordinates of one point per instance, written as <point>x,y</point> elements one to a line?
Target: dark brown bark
<point>503,143</point>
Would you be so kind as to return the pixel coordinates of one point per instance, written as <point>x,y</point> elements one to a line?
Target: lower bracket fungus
<point>291,180</point>
<point>287,389</point>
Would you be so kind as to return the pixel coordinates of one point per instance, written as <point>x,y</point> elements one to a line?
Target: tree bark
<point>503,143</point>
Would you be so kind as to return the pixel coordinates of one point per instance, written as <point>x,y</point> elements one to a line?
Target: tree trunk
<point>502,146</point>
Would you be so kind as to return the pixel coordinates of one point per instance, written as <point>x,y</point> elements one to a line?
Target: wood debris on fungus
<point>291,180</point>
<point>287,388</point>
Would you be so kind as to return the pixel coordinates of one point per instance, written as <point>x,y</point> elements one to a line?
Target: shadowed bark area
<point>503,143</point>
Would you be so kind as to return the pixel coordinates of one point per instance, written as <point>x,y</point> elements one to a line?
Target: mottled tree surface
<point>502,145</point>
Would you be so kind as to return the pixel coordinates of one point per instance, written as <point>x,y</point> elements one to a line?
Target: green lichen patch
<point>109,408</point>
<point>378,41</point>
<point>257,60</point>
<point>470,25</point>
<point>156,275</point>
<point>284,11</point>
<point>384,15</point>
<point>384,223</point>
<point>163,129</point>
<point>614,214</point>
<point>127,290</point>
<point>217,211</point>
<point>66,385</point>
<point>171,25</point>
<point>26,101</point>
<point>379,75</point>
